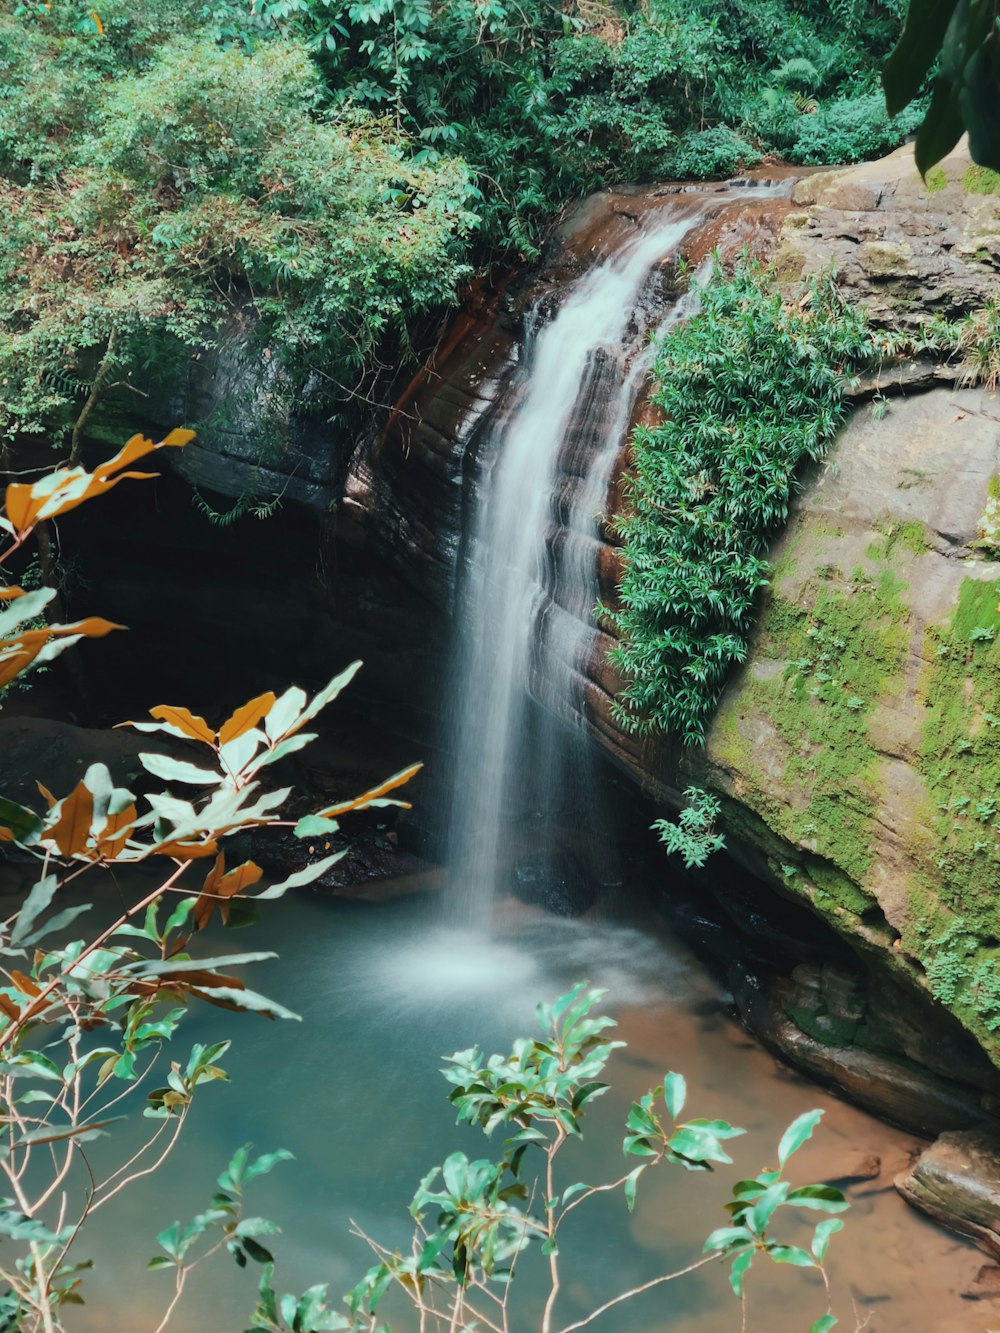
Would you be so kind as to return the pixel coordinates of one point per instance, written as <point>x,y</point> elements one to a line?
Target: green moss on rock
<point>960,754</point>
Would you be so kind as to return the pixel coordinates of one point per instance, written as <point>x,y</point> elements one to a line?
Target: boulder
<point>957,1182</point>
<point>554,880</point>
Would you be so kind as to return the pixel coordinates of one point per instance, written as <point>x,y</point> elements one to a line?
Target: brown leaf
<point>191,725</point>
<point>24,503</point>
<point>115,833</point>
<point>235,882</point>
<point>72,829</point>
<point>186,851</point>
<point>21,506</point>
<point>24,984</point>
<point>47,794</point>
<point>8,594</point>
<point>373,794</point>
<point>209,892</point>
<point>19,659</point>
<point>138,447</point>
<point>199,977</point>
<point>9,1007</point>
<point>246,717</point>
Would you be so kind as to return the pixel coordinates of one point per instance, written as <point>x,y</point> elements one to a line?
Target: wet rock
<point>554,881</point>
<point>957,1182</point>
<point>985,1286</point>
<point>36,749</point>
<point>897,1091</point>
<point>258,439</point>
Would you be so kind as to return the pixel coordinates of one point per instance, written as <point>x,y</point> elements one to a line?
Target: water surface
<point>354,1092</point>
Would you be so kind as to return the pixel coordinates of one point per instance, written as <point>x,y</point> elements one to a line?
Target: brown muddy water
<point>353,1090</point>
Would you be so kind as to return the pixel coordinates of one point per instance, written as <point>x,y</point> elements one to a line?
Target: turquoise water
<point>353,1091</point>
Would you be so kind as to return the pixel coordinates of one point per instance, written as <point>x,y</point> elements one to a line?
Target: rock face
<point>857,748</point>
<point>907,250</point>
<point>257,441</point>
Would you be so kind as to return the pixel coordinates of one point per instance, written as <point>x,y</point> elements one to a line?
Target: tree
<point>86,1020</point>
<point>475,1218</point>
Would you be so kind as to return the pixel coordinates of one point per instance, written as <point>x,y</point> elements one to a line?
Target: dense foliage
<point>319,173</point>
<point>545,101</point>
<point>196,185</point>
<point>750,388</point>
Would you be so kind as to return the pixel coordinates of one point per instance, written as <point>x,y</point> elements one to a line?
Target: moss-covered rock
<point>865,731</point>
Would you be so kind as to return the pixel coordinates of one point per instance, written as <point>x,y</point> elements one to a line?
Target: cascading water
<point>531,579</point>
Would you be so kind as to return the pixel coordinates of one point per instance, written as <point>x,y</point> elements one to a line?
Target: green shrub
<point>714,152</point>
<point>750,389</point>
<point>209,183</point>
<point>849,129</point>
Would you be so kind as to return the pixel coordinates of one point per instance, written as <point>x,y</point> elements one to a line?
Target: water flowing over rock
<point>889,524</point>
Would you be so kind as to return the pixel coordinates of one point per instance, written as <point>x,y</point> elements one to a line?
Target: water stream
<point>530,584</point>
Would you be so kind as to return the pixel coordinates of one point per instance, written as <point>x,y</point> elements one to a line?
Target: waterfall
<point>530,579</point>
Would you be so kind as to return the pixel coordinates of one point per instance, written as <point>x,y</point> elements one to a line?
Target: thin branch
<point>637,1291</point>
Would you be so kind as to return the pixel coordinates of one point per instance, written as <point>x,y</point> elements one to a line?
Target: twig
<point>637,1291</point>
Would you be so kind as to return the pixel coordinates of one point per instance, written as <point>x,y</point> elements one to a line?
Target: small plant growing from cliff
<point>694,836</point>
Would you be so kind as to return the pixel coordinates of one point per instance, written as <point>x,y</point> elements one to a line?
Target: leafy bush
<point>850,129</point>
<point>749,389</point>
<point>475,1217</point>
<point>715,152</point>
<point>204,185</point>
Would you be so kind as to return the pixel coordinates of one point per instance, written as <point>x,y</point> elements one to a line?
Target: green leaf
<point>697,1145</point>
<point>675,1094</point>
<point>33,906</point>
<point>587,1092</point>
<point>256,1251</point>
<point>942,126</point>
<point>916,51</point>
<point>728,1238</point>
<point>791,1254</point>
<point>267,1162</point>
<point>178,770</point>
<point>165,967</point>
<point>762,1211</point>
<point>631,1185</point>
<point>56,923</point>
<point>315,826</point>
<point>305,876</point>
<point>249,1000</point>
<point>824,1198</point>
<point>22,822</point>
<point>821,1236</point>
<point>979,103</point>
<point>738,1272</point>
<point>823,1324</point>
<point>797,1133</point>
